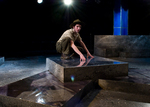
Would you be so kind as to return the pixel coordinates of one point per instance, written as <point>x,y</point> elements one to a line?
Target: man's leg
<point>64,47</point>
<point>58,47</point>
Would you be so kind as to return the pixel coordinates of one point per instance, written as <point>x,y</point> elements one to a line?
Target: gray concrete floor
<point>139,74</point>
<point>16,69</point>
<point>140,63</point>
<point>27,79</point>
<point>139,69</point>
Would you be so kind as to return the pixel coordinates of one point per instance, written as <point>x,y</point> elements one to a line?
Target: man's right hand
<point>82,58</point>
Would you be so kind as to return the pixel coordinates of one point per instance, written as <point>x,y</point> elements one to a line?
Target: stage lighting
<point>39,1</point>
<point>68,2</point>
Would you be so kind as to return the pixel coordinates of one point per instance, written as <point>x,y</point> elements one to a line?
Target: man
<point>66,46</point>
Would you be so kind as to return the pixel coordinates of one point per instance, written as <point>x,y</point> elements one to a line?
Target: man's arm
<point>77,51</point>
<point>84,46</point>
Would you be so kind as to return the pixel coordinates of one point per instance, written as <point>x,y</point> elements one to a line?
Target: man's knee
<point>63,46</point>
<point>66,41</point>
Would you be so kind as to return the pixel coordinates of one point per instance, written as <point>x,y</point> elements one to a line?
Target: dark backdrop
<point>29,28</point>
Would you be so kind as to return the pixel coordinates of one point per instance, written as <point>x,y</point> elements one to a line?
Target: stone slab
<point>92,69</point>
<point>15,69</point>
<point>81,94</point>
<point>105,98</point>
<point>112,93</point>
<point>126,87</point>
<point>43,88</point>
<point>130,46</point>
<point>2,60</point>
<point>6,101</point>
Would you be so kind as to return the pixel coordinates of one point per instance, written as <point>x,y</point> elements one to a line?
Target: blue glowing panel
<point>124,31</point>
<point>120,18</point>
<point>117,31</point>
<point>124,18</point>
<point>117,19</point>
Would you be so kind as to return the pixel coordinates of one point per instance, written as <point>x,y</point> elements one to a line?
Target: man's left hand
<point>88,54</point>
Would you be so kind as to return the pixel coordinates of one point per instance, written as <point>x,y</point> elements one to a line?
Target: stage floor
<point>27,78</point>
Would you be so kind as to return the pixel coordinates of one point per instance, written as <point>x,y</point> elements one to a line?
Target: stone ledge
<point>130,46</point>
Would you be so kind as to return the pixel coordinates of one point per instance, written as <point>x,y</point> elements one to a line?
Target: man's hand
<point>88,54</point>
<point>82,58</point>
<point>84,46</point>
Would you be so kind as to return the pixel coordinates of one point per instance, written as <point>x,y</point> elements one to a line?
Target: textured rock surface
<point>122,46</point>
<point>98,67</point>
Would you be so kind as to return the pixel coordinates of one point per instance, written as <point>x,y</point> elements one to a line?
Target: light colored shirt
<point>71,34</point>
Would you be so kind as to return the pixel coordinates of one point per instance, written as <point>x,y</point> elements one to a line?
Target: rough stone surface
<point>106,98</point>
<point>6,101</point>
<point>116,94</point>
<point>43,88</point>
<point>128,91</point>
<point>122,46</point>
<point>98,67</point>
<point>127,87</point>
<point>16,69</point>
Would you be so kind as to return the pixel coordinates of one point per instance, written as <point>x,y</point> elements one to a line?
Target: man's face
<point>77,28</point>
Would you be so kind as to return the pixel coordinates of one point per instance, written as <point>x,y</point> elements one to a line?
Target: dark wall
<point>29,28</point>
<point>139,15</point>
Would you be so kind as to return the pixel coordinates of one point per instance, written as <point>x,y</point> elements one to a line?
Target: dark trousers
<point>65,47</point>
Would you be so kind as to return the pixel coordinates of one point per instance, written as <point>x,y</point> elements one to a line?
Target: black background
<point>29,28</point>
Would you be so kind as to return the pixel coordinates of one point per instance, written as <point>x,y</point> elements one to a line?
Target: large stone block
<point>92,69</point>
<point>122,46</point>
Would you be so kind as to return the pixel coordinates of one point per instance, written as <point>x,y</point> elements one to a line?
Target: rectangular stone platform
<point>92,69</point>
<point>130,46</point>
<point>1,60</point>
